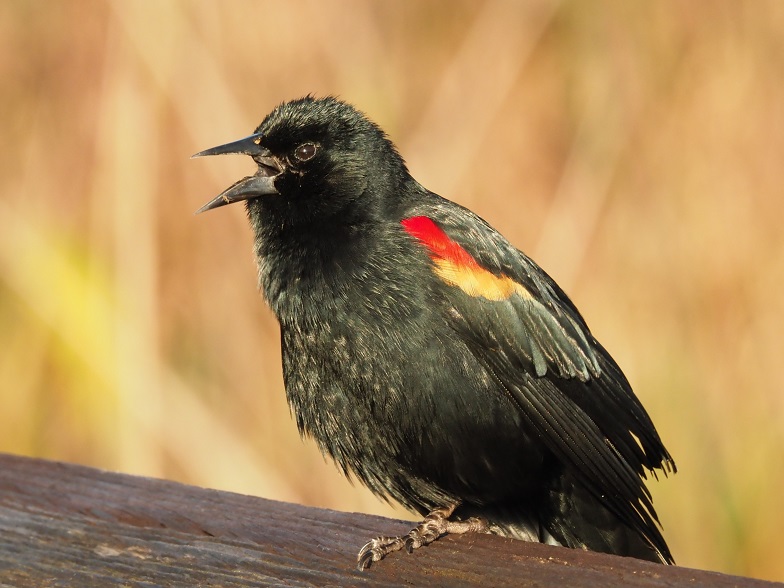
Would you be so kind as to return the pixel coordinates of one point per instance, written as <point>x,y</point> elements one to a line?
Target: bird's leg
<point>436,523</point>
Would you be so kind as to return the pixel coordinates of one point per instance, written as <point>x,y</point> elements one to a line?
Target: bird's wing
<point>527,333</point>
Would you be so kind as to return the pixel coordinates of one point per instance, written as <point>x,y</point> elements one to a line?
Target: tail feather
<point>569,515</point>
<point>576,518</point>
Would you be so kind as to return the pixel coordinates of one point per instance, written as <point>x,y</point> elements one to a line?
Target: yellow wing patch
<point>477,281</point>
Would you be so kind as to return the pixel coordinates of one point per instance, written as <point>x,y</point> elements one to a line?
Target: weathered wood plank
<point>68,525</point>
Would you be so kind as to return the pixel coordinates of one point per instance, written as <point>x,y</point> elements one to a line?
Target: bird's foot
<point>435,525</point>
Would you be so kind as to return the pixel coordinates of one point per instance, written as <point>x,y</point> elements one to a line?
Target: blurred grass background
<point>633,149</point>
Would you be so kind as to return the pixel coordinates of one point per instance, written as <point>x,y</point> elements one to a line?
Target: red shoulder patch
<point>441,246</point>
<point>455,266</point>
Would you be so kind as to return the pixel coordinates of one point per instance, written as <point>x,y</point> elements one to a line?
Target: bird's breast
<point>405,400</point>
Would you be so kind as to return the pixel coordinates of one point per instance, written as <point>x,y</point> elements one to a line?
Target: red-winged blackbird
<point>432,359</point>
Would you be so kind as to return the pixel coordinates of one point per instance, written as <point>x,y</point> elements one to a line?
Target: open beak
<point>262,183</point>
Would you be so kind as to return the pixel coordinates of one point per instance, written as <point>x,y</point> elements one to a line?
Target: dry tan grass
<point>634,149</point>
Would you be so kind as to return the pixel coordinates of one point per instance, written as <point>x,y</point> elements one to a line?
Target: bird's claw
<point>410,547</point>
<point>376,549</point>
<point>437,523</point>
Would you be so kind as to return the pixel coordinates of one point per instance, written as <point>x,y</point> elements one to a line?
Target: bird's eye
<point>305,151</point>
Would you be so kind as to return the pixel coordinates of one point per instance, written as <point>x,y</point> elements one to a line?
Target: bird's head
<point>317,154</point>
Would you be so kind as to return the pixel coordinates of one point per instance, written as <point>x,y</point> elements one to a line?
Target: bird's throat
<point>306,266</point>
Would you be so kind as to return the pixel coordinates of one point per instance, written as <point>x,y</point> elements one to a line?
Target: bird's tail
<point>576,518</point>
<point>568,515</point>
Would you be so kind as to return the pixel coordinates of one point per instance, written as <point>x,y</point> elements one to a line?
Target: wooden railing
<point>69,525</point>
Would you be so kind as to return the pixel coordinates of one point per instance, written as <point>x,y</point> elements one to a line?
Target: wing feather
<point>539,349</point>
